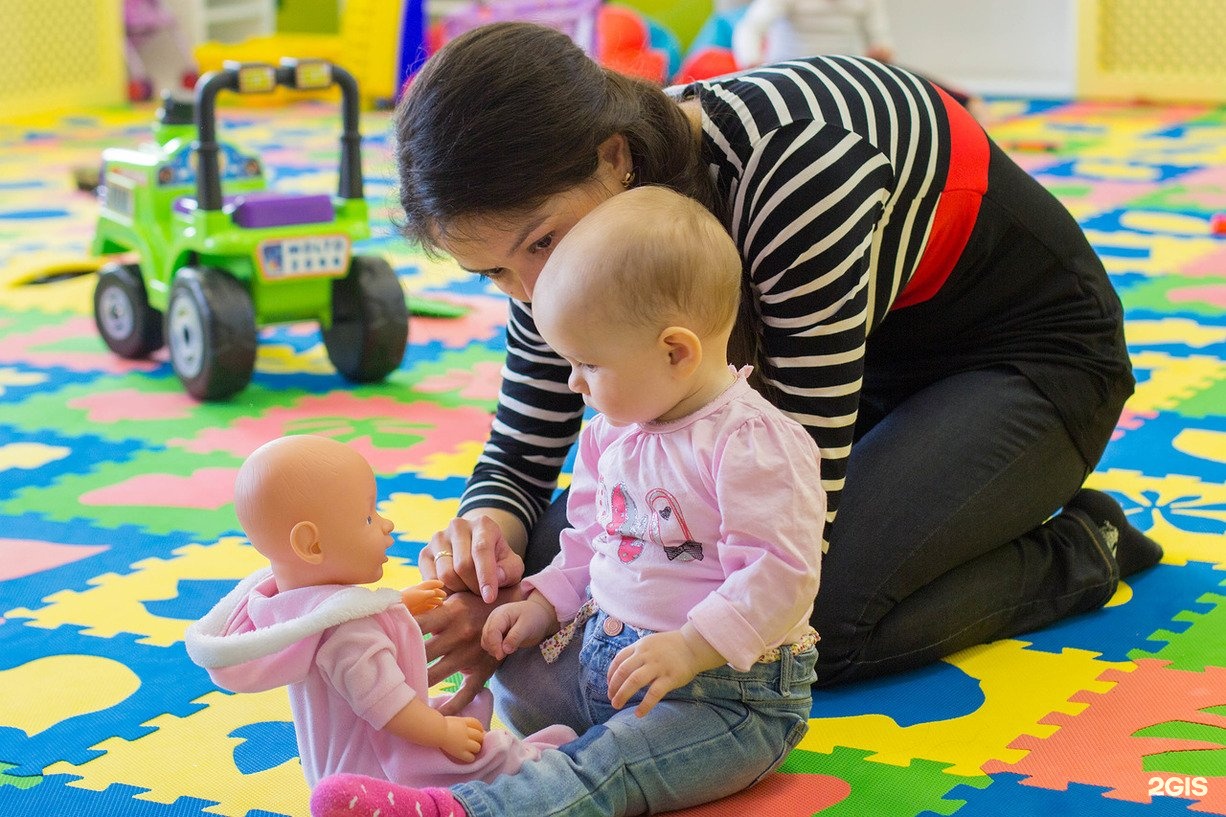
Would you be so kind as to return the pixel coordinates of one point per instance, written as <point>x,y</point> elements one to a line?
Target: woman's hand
<point>455,643</point>
<point>474,554</point>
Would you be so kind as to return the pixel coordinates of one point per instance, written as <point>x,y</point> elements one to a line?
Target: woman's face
<point>510,249</point>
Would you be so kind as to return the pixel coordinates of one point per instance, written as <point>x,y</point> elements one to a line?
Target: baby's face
<point>622,371</point>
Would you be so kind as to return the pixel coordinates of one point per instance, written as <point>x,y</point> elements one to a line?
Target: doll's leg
<point>355,795</point>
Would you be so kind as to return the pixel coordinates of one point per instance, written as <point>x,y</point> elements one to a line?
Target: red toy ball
<point>1217,224</point>
<point>620,29</point>
<point>705,63</point>
<point>623,44</point>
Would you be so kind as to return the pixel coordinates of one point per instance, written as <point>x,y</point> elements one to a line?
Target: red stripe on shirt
<point>958,208</point>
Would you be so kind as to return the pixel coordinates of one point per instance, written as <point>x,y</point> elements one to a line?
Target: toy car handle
<point>208,170</point>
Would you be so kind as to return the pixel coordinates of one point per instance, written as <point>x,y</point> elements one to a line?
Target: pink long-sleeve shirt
<point>715,518</point>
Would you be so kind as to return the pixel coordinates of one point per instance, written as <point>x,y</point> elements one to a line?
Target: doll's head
<point>308,505</point>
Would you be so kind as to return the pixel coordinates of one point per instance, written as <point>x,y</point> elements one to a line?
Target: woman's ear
<point>304,541</point>
<point>614,153</point>
<point>684,349</point>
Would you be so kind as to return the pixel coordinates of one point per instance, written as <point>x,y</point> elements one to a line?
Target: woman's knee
<point>530,694</point>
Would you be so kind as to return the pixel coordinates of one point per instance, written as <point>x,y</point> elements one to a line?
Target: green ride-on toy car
<point>214,268</point>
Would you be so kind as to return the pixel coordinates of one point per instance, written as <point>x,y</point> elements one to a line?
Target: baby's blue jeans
<point>715,736</point>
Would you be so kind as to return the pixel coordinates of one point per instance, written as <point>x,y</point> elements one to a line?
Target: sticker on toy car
<point>303,257</point>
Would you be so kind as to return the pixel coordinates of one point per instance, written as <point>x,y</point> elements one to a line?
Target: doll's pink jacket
<point>351,658</point>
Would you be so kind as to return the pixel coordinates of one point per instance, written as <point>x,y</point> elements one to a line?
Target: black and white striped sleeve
<point>805,219</point>
<point>536,422</point>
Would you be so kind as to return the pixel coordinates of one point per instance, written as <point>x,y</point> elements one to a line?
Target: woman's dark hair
<point>509,114</point>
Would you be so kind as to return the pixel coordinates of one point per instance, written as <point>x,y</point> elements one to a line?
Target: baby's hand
<point>423,597</point>
<point>518,624</point>
<point>661,662</point>
<point>463,738</point>
<point>658,662</point>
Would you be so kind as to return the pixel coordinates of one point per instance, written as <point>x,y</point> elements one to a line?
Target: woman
<point>933,317</point>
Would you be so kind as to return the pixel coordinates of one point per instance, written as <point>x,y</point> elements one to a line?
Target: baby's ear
<point>304,541</point>
<point>684,348</point>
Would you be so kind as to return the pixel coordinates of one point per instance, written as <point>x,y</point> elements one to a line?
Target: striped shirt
<point>832,170</point>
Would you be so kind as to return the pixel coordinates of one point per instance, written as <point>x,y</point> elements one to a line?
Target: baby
<point>352,657</point>
<point>676,616</point>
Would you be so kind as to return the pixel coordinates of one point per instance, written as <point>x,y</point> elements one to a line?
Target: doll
<point>352,657</point>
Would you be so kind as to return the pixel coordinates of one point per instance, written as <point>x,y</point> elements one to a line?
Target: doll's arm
<point>421,598</point>
<point>419,723</point>
<point>661,662</point>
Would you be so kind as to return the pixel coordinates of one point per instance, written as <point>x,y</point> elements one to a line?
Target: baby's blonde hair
<point>652,257</point>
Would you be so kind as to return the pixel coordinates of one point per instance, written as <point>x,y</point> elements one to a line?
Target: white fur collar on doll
<point>209,648</point>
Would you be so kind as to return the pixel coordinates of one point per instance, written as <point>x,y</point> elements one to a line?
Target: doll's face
<point>354,538</point>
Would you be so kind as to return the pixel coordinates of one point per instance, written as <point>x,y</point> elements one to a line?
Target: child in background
<point>778,30</point>
<point>691,565</point>
<point>353,658</point>
<point>773,31</point>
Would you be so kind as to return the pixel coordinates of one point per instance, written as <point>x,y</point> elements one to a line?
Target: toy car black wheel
<point>130,327</point>
<point>370,321</point>
<point>210,326</point>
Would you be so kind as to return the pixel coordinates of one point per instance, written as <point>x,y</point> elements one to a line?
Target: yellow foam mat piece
<point>1020,687</point>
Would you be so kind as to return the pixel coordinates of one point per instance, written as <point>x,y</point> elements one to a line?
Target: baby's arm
<point>421,598</point>
<point>661,662</point>
<point>519,624</point>
<point>419,723</point>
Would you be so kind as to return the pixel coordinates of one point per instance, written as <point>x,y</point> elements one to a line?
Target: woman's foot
<point>1133,550</point>
<point>355,795</point>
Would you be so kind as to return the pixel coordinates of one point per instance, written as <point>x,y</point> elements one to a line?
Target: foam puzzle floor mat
<point>117,525</point>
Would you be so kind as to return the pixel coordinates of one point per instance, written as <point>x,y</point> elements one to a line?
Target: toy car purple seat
<point>266,208</point>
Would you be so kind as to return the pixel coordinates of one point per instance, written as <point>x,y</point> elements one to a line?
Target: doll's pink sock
<point>354,795</point>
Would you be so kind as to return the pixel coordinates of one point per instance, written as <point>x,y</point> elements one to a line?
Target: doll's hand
<point>421,598</point>
<point>463,738</point>
<point>661,662</point>
<point>519,624</point>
